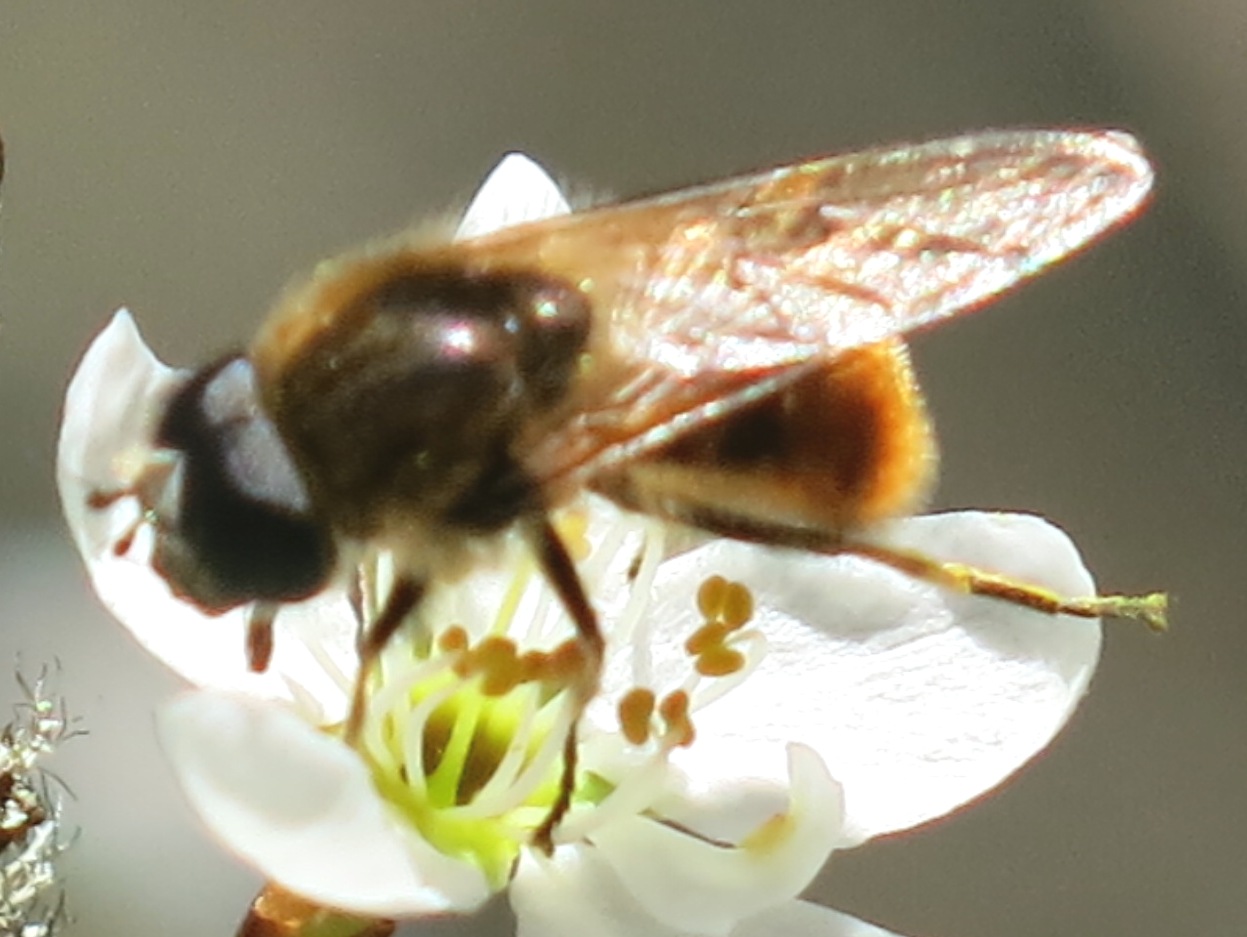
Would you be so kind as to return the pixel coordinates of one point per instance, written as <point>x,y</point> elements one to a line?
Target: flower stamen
<point>632,628</point>
<point>722,600</point>
<point>465,737</point>
<point>636,709</point>
<point>726,607</point>
<point>674,712</point>
<point>453,640</point>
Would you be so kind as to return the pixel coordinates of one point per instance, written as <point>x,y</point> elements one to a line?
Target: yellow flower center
<point>465,736</point>
<point>465,741</point>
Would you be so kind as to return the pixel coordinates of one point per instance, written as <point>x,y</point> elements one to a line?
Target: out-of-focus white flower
<point>760,709</point>
<point>31,838</point>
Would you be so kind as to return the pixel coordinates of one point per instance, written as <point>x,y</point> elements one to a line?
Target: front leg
<point>404,596</point>
<point>560,571</point>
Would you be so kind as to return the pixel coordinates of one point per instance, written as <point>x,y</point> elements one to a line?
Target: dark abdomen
<point>844,446</point>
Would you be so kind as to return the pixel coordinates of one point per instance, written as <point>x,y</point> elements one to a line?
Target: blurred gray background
<point>186,159</point>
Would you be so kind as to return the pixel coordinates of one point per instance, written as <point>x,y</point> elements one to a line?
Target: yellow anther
<point>635,711</point>
<point>496,661</point>
<point>674,712</point>
<point>710,596</point>
<point>709,635</point>
<point>674,706</point>
<point>565,664</point>
<point>720,661</point>
<point>499,681</point>
<point>737,607</point>
<point>534,666</point>
<point>494,651</point>
<point>453,640</point>
<point>726,606</point>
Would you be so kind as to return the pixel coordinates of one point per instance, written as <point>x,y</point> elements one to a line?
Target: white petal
<point>300,807</point>
<point>691,885</point>
<point>576,894</point>
<point>516,191</point>
<point>111,407</point>
<point>917,699</point>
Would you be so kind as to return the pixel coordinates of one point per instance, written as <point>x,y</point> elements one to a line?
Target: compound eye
<point>254,461</point>
<point>242,527</point>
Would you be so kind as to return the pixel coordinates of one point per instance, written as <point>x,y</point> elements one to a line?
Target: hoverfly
<point>728,357</point>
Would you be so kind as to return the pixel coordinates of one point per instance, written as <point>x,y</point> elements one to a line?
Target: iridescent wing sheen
<point>704,295</point>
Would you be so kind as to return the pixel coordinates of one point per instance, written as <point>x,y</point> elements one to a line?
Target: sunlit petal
<point>917,699</point>
<point>571,897</point>
<point>110,409</point>
<point>300,807</point>
<point>690,884</point>
<point>516,191</point>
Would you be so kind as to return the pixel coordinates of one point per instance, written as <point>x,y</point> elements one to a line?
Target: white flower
<point>824,701</point>
<point>32,835</point>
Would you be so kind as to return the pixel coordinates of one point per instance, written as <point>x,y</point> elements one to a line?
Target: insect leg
<point>355,597</point>
<point>260,636</point>
<point>404,596</point>
<point>1149,609</point>
<point>557,566</point>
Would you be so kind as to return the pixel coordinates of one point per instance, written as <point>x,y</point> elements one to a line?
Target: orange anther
<point>710,597</point>
<point>674,712</point>
<point>737,608</point>
<point>533,666</point>
<point>453,640</point>
<point>674,706</point>
<point>494,651</point>
<point>719,661</point>
<point>565,663</point>
<point>706,637</point>
<point>496,660</point>
<point>635,711</point>
<point>499,681</point>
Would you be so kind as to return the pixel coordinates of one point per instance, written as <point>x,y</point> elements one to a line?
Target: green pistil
<point>463,743</point>
<point>464,710</point>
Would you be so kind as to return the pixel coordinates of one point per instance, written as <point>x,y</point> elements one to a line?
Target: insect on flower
<point>728,357</point>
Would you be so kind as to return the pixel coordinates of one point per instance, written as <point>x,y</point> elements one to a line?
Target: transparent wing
<point>702,293</point>
<point>841,251</point>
